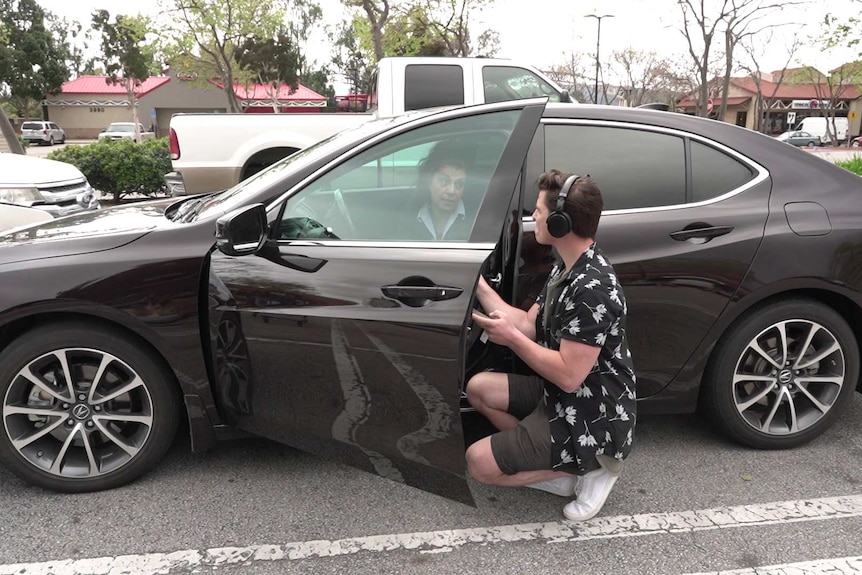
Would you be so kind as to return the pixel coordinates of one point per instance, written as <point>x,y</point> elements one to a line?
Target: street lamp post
<point>598,45</point>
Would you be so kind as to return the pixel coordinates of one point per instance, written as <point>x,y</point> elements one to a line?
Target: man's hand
<point>499,326</point>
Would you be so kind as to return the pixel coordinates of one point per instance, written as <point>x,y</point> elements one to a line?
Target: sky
<point>542,32</point>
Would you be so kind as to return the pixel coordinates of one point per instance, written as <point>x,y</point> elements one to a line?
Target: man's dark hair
<point>445,153</point>
<point>583,204</point>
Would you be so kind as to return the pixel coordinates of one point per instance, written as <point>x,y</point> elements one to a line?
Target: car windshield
<point>236,196</point>
<point>121,128</point>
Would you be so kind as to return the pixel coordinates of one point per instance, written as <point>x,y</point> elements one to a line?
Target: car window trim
<point>761,173</point>
<point>385,244</point>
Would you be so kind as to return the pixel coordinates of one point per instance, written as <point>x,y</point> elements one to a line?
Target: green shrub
<point>121,167</point>
<point>854,164</point>
<point>24,143</point>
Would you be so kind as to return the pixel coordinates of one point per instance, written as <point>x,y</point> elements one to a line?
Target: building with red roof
<point>86,105</point>
<point>784,100</point>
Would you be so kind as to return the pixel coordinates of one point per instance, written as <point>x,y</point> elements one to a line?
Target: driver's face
<point>447,187</point>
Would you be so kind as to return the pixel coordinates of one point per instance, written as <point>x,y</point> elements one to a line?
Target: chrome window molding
<point>761,173</point>
<point>388,244</point>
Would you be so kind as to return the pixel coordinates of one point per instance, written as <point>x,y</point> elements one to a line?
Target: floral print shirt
<point>588,306</point>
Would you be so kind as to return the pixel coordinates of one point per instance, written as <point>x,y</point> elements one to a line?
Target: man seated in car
<point>439,212</point>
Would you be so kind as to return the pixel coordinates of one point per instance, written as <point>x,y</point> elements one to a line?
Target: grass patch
<point>854,164</point>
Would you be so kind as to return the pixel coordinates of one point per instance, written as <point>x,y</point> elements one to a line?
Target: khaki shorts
<point>526,447</point>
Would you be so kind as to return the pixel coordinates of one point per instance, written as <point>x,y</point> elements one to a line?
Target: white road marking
<point>555,532</point>
<point>839,566</point>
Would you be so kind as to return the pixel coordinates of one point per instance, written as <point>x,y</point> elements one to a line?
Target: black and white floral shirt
<point>588,306</point>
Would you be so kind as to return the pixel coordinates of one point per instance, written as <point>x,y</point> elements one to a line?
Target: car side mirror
<point>565,98</point>
<point>243,231</point>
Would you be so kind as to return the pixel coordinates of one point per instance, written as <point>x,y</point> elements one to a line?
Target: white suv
<point>46,133</point>
<point>54,187</point>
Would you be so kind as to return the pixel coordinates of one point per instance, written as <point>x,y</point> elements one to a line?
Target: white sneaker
<point>562,486</point>
<point>592,493</point>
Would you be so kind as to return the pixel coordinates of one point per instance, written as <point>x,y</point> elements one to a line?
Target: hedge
<point>121,167</point>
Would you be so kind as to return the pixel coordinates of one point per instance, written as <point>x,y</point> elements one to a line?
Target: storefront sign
<point>809,104</point>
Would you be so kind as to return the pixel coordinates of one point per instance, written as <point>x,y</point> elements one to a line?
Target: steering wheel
<point>342,210</point>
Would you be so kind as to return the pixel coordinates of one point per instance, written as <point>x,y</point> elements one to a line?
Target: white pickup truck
<point>125,131</point>
<point>212,152</point>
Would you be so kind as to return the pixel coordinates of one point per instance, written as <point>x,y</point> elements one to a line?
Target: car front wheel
<point>783,374</point>
<point>83,408</point>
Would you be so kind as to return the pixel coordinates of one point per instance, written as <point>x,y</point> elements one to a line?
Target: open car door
<point>344,334</point>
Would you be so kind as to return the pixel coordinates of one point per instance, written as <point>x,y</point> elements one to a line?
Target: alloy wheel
<point>789,377</point>
<point>77,413</point>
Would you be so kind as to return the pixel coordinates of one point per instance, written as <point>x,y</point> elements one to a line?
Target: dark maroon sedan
<point>298,305</point>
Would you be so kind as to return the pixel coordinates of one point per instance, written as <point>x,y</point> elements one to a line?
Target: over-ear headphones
<point>559,222</point>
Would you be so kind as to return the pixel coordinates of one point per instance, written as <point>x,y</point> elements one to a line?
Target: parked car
<point>292,306</point>
<point>798,138</point>
<point>856,142</point>
<point>125,131</point>
<point>57,188</point>
<point>12,216</point>
<point>45,133</point>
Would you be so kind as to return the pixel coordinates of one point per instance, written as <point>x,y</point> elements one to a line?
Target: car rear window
<point>31,126</point>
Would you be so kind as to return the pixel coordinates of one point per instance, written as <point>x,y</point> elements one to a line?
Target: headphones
<point>559,222</point>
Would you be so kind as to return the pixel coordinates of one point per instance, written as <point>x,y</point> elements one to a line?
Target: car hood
<point>83,233</point>
<point>18,170</point>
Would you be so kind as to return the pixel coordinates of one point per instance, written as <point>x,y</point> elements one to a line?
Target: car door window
<point>714,173</point>
<point>634,168</point>
<point>423,185</point>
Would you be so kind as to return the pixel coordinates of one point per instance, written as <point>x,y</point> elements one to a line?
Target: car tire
<point>105,435</point>
<point>790,397</point>
<point>855,144</point>
<point>810,144</point>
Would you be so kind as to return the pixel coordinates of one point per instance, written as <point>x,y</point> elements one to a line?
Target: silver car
<point>57,188</point>
<point>45,133</point>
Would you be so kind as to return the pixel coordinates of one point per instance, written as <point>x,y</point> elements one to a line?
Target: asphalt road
<point>689,501</point>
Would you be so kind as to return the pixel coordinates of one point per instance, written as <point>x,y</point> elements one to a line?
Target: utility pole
<point>598,46</point>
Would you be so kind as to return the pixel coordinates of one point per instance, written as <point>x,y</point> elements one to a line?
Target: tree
<point>732,21</point>
<point>318,79</point>
<point>376,13</point>
<point>205,35</point>
<point>831,89</point>
<point>129,60</point>
<point>765,101</point>
<point>744,19</point>
<point>643,75</point>
<point>699,38</point>
<point>273,62</point>
<point>349,57</point>
<point>32,60</point>
<point>571,75</point>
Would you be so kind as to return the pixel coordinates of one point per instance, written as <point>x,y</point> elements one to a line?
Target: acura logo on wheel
<point>81,411</point>
<point>786,376</point>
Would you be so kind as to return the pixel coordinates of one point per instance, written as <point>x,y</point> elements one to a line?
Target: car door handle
<point>415,293</point>
<point>702,232</point>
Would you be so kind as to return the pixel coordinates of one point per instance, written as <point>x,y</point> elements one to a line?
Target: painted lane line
<point>435,541</point>
<point>838,566</point>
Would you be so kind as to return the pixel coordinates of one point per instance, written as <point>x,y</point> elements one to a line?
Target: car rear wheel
<point>83,408</point>
<point>783,374</point>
